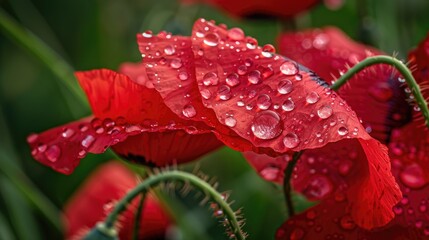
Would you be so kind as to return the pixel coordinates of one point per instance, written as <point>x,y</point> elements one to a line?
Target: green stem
<point>287,187</point>
<point>400,66</point>
<point>40,50</point>
<point>138,216</point>
<point>180,176</point>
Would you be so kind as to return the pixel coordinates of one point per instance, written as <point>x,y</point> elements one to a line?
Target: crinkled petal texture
<point>98,196</point>
<point>376,93</point>
<point>411,213</point>
<point>274,105</point>
<point>130,116</point>
<point>249,8</point>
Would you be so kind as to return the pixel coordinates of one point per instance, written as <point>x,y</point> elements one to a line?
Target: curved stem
<point>180,176</point>
<point>138,216</point>
<point>400,66</point>
<point>287,188</point>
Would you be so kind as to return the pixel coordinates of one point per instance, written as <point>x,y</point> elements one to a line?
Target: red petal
<point>341,167</point>
<point>329,52</point>
<point>62,148</point>
<point>96,198</point>
<point>278,8</point>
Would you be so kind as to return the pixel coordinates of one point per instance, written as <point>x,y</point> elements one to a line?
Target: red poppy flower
<point>277,8</point>
<point>259,101</point>
<point>330,176</point>
<point>130,116</point>
<point>96,198</point>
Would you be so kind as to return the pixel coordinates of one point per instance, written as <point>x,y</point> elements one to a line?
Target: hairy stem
<point>137,217</point>
<point>287,188</point>
<point>400,66</point>
<point>179,176</point>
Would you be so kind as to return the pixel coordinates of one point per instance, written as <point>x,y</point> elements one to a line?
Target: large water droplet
<point>318,187</point>
<point>169,50</point>
<point>263,102</point>
<point>147,34</point>
<point>412,176</point>
<point>285,87</point>
<point>224,92</point>
<point>210,78</point>
<point>53,153</point>
<point>291,140</point>
<point>232,79</point>
<point>312,98</point>
<point>230,121</point>
<point>268,50</point>
<point>176,63</point>
<point>254,77</point>
<point>211,39</point>
<point>289,68</point>
<point>88,141</point>
<point>324,112</point>
<point>251,43</point>
<point>266,125</point>
<point>343,131</point>
<point>236,34</point>
<point>189,111</point>
<point>288,105</point>
<point>183,76</point>
<point>206,94</point>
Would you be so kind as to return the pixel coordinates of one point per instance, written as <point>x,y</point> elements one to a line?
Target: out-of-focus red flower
<point>276,8</point>
<point>331,172</point>
<point>130,116</point>
<point>97,197</point>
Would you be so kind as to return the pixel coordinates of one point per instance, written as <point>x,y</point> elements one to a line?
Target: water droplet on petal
<point>53,153</point>
<point>324,112</point>
<point>312,98</point>
<point>211,39</point>
<point>230,121</point>
<point>206,94</point>
<point>297,234</point>
<point>254,77</point>
<point>398,210</point>
<point>169,50</point>
<point>236,34</point>
<point>176,63</point>
<point>183,76</point>
<point>347,223</point>
<point>210,78</point>
<point>266,125</point>
<point>32,138</point>
<point>189,111</point>
<point>342,131</point>
<point>288,105</point>
<point>285,87</point>
<point>412,176</point>
<point>147,34</point>
<point>289,68</point>
<point>224,92</point>
<point>268,50</point>
<point>42,148</point>
<point>270,173</point>
<point>241,70</point>
<point>291,140</point>
<point>88,141</point>
<point>318,187</point>
<point>232,79</point>
<point>251,43</point>
<point>263,102</point>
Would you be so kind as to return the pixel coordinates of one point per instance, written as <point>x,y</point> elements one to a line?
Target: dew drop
<point>42,148</point>
<point>342,131</point>
<point>347,223</point>
<point>241,70</point>
<point>254,77</point>
<point>230,121</point>
<point>324,112</point>
<point>288,105</point>
<point>211,39</point>
<point>176,63</point>
<point>169,50</point>
<point>206,94</point>
<point>312,98</point>
<point>147,34</point>
<point>266,125</point>
<point>318,187</point>
<point>232,79</point>
<point>285,87</point>
<point>268,50</point>
<point>53,153</point>
<point>236,34</point>
<point>270,173</point>
<point>291,140</point>
<point>32,138</point>
<point>224,92</point>
<point>289,68</point>
<point>263,102</point>
<point>87,141</point>
<point>210,78</point>
<point>398,210</point>
<point>189,111</point>
<point>183,76</point>
<point>412,176</point>
<point>251,43</point>
<point>67,133</point>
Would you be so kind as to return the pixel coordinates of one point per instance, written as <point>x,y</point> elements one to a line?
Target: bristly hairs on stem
<point>402,69</point>
<point>232,220</point>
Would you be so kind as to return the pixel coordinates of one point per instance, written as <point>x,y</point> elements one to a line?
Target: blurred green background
<point>101,34</point>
